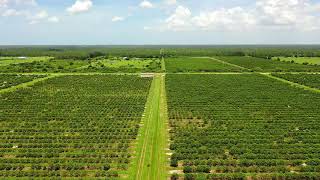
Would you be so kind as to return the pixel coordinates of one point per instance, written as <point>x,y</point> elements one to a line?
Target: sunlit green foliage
<point>71,126</point>
<point>242,126</point>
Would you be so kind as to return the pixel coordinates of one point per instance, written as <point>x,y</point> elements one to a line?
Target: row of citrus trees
<point>311,80</point>
<point>242,126</point>
<point>9,80</point>
<point>71,126</point>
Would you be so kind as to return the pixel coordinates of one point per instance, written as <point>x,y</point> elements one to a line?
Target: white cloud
<point>40,15</point>
<point>9,3</point>
<point>179,19</point>
<point>234,18</point>
<point>146,4</point>
<point>11,12</point>
<point>53,19</point>
<point>275,14</point>
<point>147,28</point>
<point>170,2</point>
<point>117,18</point>
<point>4,3</point>
<point>289,13</point>
<point>27,9</point>
<point>80,6</point>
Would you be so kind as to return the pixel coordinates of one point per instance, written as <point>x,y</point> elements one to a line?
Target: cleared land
<point>71,127</point>
<point>9,80</point>
<point>311,80</point>
<point>242,126</point>
<point>268,65</point>
<point>300,60</point>
<point>190,64</point>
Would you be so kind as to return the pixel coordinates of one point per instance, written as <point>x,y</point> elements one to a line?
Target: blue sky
<point>91,22</point>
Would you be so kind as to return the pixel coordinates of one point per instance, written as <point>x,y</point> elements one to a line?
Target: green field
<point>268,65</point>
<point>299,60</point>
<point>133,65</point>
<point>159,113</point>
<point>242,126</point>
<point>311,80</point>
<point>50,66</point>
<point>9,80</point>
<point>90,65</point>
<point>5,61</point>
<point>71,126</point>
<point>190,64</point>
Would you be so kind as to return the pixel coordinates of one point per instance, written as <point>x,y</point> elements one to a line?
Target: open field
<point>299,60</point>
<point>241,126</point>
<point>191,64</point>
<point>8,80</point>
<point>71,126</point>
<point>268,65</point>
<point>311,80</point>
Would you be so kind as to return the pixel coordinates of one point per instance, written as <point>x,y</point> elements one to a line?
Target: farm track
<point>150,162</point>
<point>27,84</point>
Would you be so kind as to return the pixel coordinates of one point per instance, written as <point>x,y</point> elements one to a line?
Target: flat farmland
<point>9,80</point>
<point>48,66</point>
<point>268,65</point>
<point>311,80</point>
<point>4,61</point>
<point>71,127</point>
<point>242,127</point>
<point>192,64</point>
<point>300,60</point>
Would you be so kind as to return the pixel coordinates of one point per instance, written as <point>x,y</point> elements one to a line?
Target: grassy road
<point>150,161</point>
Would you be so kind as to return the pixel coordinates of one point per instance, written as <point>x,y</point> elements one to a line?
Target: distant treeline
<point>84,52</point>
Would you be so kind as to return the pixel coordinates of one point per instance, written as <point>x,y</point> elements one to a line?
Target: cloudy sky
<point>92,22</point>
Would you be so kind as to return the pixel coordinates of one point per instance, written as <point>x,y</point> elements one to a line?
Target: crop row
<point>269,65</point>
<point>311,80</point>
<point>231,124</point>
<point>71,126</point>
<point>188,64</point>
<point>8,80</point>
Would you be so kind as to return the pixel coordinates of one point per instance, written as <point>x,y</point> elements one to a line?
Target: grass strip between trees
<point>150,160</point>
